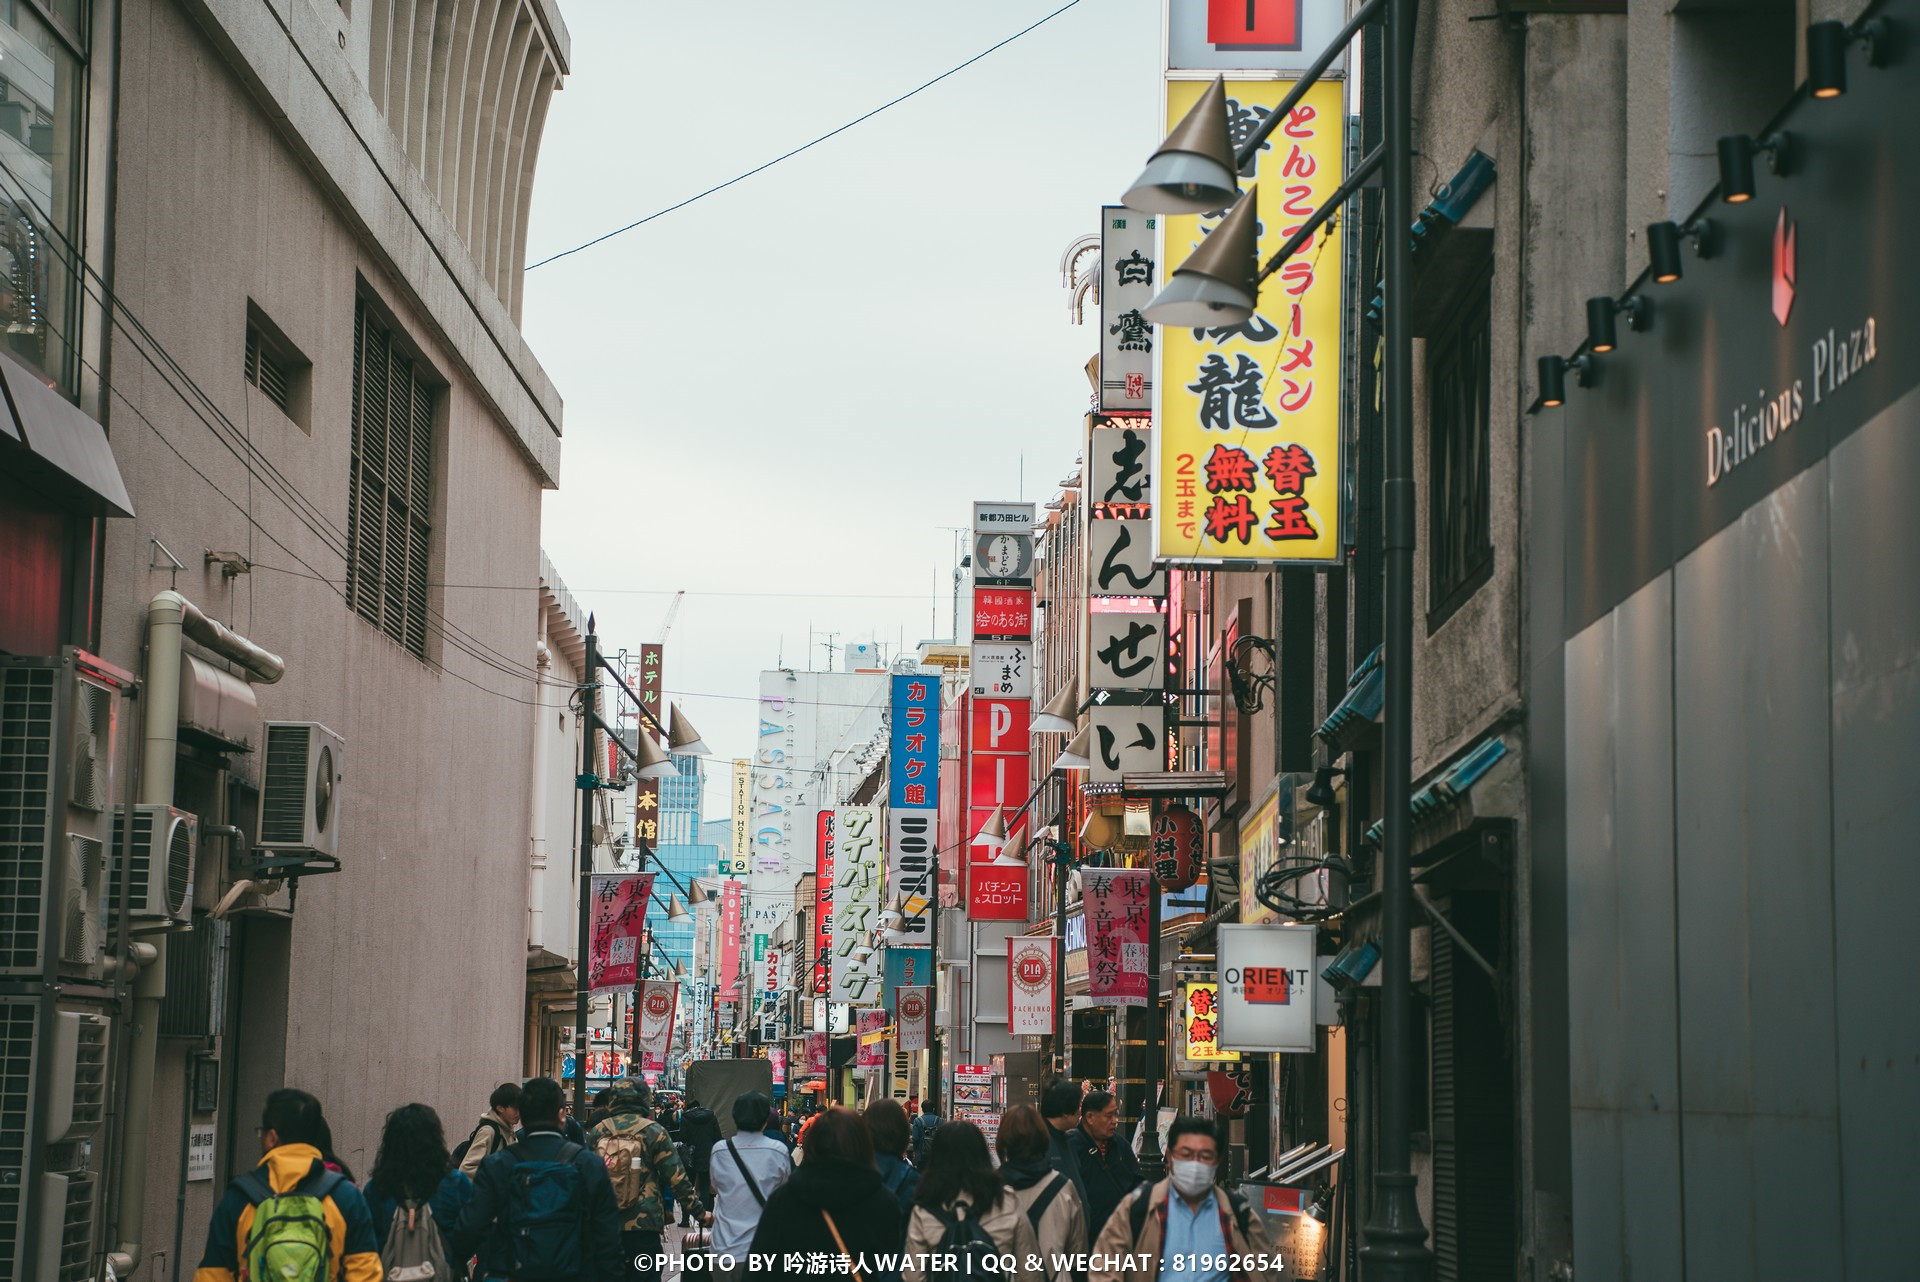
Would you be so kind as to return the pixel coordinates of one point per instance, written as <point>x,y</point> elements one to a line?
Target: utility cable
<point>661,213</point>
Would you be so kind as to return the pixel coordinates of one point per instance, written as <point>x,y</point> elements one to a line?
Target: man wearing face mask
<point>1185,1228</point>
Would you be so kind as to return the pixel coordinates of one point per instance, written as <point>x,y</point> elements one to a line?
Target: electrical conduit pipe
<point>170,619</point>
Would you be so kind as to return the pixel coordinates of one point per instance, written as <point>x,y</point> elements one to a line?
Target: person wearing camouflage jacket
<point>643,1220</point>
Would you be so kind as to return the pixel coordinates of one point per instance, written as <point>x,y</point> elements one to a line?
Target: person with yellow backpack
<point>290,1218</point>
<point>642,1163</point>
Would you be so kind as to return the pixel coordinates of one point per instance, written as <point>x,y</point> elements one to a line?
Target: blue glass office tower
<point>682,853</point>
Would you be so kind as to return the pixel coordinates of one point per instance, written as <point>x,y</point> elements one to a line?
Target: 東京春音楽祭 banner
<point>1250,467</point>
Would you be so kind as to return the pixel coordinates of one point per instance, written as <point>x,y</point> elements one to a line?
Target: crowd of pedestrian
<point>531,1195</point>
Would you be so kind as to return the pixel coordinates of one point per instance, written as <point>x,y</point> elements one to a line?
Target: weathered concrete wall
<point>390,998</point>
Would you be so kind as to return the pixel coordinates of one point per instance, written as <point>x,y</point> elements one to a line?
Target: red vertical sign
<point>1253,24</point>
<point>822,900</point>
<point>730,942</point>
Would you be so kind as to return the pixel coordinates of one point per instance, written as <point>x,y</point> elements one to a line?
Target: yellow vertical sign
<point>1249,423</point>
<point>742,815</point>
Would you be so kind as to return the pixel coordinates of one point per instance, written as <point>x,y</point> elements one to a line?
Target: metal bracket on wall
<point>155,550</point>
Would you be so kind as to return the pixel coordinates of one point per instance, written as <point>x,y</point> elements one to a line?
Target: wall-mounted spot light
<point>1601,335</point>
<point>1827,52</point>
<point>1321,792</point>
<point>1736,162</point>
<point>1663,246</point>
<point>1553,378</point>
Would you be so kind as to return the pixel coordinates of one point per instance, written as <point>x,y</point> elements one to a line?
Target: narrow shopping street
<point>1063,640</point>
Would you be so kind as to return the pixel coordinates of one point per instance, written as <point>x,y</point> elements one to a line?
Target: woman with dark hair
<point>413,1172</point>
<point>959,1186</point>
<point>887,1123</point>
<point>1046,1198</point>
<point>834,1203</point>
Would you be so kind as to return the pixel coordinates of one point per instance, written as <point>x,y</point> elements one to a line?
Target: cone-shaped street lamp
<point>1058,716</point>
<point>682,737</point>
<point>1219,281</point>
<point>677,910</point>
<point>1014,853</point>
<point>993,833</point>
<point>1074,755</point>
<point>654,764</point>
<point>1193,172</point>
<point>698,895</point>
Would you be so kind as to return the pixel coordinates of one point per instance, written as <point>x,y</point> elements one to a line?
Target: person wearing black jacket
<point>1108,1169</point>
<point>485,1219</point>
<point>835,1203</point>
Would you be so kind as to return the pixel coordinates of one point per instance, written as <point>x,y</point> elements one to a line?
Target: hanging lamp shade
<point>1061,710</point>
<point>993,833</point>
<point>1217,284</point>
<point>1192,172</point>
<point>1074,755</point>
<point>654,764</point>
<point>682,737</point>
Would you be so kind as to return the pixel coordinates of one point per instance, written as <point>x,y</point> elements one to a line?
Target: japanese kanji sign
<point>818,1050</point>
<point>1003,670</point>
<point>1128,652</point>
<point>652,688</point>
<point>1003,545</point>
<point>730,941</point>
<point>1281,36</point>
<point>1250,467</point>
<point>1003,614</point>
<point>905,968</point>
<point>871,1053</point>
<point>659,999</point>
<point>1116,911</point>
<point>1266,987</point>
<point>1119,470</point>
<point>1030,962</point>
<point>914,1008</point>
<point>1120,560</point>
<point>619,914</point>
<point>855,973</point>
<point>646,813</point>
<point>822,899</point>
<point>1128,281</point>
<point>1199,1015</point>
<point>914,762</point>
<point>1128,739</point>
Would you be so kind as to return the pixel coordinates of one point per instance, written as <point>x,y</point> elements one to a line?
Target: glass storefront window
<point>41,155</point>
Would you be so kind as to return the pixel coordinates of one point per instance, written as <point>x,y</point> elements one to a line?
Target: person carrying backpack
<point>964,1210</point>
<point>1186,1214</point>
<point>543,1209</point>
<point>923,1128</point>
<point>642,1163</point>
<point>494,1130</point>
<point>290,1218</point>
<point>415,1197</point>
<point>1046,1197</point>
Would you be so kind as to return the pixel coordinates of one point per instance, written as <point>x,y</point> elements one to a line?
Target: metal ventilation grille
<point>92,745</point>
<point>76,1230</point>
<point>27,698</point>
<point>139,867</point>
<point>90,1077</point>
<point>283,793</point>
<point>196,980</point>
<point>86,869</point>
<point>179,867</point>
<point>17,1020</point>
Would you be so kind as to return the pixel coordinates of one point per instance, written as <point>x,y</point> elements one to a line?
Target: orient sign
<point>1266,988</point>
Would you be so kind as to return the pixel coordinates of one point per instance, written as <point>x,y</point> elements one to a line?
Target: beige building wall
<point>253,170</point>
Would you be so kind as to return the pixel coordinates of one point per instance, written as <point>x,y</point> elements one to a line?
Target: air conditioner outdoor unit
<point>299,789</point>
<point>58,725</point>
<point>53,1084</point>
<point>166,843</point>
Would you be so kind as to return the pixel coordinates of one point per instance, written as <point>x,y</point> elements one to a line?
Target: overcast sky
<point>792,386</point>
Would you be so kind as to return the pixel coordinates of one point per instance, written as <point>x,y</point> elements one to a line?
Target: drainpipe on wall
<point>170,619</point>
<point>537,864</point>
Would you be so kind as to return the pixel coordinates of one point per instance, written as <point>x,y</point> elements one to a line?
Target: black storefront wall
<point>1738,702</point>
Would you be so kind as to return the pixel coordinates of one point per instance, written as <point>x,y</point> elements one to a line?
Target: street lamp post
<point>589,783</point>
<point>1396,1239</point>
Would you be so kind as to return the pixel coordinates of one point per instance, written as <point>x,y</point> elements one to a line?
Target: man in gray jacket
<point>745,1171</point>
<point>494,1130</point>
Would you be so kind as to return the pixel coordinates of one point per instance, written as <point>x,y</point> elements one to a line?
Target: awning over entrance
<point>64,448</point>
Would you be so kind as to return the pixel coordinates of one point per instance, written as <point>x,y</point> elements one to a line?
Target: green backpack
<point>289,1240</point>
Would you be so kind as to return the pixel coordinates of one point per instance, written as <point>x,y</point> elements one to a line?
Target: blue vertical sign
<point>913,809</point>
<point>914,781</point>
<point>905,968</point>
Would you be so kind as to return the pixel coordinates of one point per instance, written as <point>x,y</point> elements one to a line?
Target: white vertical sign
<point>854,976</point>
<point>1128,279</point>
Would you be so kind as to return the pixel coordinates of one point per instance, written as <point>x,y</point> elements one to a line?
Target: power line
<point>660,213</point>
<point>698,592</point>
